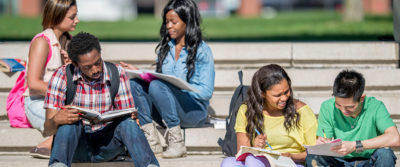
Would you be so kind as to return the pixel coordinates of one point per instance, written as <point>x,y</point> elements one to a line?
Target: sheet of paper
<point>324,149</point>
<point>180,83</point>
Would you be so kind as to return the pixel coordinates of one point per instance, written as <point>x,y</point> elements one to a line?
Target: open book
<point>324,149</point>
<point>96,117</point>
<point>11,65</point>
<point>274,157</point>
<point>150,75</point>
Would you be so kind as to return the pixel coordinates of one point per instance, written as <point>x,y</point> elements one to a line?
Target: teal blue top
<point>204,74</point>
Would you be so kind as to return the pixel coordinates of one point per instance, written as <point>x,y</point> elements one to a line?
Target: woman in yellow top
<point>286,123</point>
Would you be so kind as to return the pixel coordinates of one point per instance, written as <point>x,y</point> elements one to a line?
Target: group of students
<point>286,123</point>
<point>54,54</point>
<point>273,116</point>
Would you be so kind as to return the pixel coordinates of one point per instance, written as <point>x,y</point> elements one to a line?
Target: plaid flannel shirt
<point>91,95</point>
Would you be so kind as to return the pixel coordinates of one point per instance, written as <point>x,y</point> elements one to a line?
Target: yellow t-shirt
<point>277,136</point>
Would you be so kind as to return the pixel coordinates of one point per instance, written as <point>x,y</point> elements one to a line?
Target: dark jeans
<point>73,144</point>
<point>161,100</point>
<point>382,157</point>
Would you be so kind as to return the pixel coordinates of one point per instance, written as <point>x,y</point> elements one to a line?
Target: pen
<point>323,131</point>
<point>266,142</point>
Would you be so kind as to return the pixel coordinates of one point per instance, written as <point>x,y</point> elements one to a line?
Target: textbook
<point>96,117</point>
<point>324,149</point>
<point>274,157</point>
<point>11,65</point>
<point>150,75</point>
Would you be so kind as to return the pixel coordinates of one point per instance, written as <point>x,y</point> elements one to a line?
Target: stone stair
<point>311,66</point>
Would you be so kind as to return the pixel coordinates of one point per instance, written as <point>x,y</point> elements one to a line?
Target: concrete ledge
<point>342,54</point>
<point>314,78</point>
<point>288,54</point>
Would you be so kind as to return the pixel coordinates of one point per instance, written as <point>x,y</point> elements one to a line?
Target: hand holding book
<point>96,117</point>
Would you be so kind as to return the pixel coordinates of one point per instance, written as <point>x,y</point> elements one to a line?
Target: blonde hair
<point>55,11</point>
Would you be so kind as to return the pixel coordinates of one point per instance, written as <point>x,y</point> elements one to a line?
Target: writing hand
<point>66,116</point>
<point>259,141</point>
<point>322,140</point>
<point>345,148</point>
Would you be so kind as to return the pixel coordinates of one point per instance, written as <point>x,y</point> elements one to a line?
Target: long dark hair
<point>189,14</point>
<point>263,80</point>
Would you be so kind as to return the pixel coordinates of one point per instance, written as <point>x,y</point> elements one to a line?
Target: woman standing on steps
<point>181,53</point>
<point>46,54</point>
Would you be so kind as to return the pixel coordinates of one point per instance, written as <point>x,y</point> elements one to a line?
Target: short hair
<point>82,43</point>
<point>349,83</point>
<point>55,11</point>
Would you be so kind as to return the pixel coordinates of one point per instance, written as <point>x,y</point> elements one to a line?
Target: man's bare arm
<point>56,118</point>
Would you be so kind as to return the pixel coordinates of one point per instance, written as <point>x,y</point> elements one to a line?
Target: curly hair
<point>189,14</point>
<point>263,80</point>
<point>82,43</point>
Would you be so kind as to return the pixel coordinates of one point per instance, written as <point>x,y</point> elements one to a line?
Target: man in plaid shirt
<point>77,139</point>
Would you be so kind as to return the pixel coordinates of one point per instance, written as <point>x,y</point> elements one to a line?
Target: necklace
<point>354,123</point>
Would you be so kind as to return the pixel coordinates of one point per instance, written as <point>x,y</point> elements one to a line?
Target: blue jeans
<point>73,144</point>
<point>160,100</point>
<point>382,157</point>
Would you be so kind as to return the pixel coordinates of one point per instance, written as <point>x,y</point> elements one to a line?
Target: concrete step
<point>253,54</point>
<point>23,139</point>
<point>313,86</point>
<point>199,141</point>
<point>23,159</point>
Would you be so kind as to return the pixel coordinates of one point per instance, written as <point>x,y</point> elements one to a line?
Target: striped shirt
<point>93,95</point>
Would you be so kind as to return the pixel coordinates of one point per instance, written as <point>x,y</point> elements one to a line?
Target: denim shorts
<point>35,112</point>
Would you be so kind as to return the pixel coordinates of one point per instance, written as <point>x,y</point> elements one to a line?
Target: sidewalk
<point>22,159</point>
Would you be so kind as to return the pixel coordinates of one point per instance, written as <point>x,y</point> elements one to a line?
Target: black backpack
<point>228,144</point>
<point>71,86</point>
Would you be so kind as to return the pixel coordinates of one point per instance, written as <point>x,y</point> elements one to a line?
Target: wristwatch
<point>359,147</point>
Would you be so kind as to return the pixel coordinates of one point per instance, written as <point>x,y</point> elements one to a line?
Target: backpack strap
<point>240,73</point>
<point>114,75</point>
<point>235,96</point>
<point>71,86</point>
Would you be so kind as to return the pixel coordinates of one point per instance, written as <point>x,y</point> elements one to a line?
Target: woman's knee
<point>157,86</point>
<point>137,86</point>
<point>231,161</point>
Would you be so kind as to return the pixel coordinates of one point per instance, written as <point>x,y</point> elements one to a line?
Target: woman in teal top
<point>181,53</point>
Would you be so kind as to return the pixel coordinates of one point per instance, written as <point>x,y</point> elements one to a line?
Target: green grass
<point>286,26</point>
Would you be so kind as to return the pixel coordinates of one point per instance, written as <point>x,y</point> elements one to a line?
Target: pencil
<point>266,142</point>
<point>323,131</point>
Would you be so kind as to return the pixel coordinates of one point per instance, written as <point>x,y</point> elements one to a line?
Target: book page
<point>324,149</point>
<point>116,113</point>
<point>178,82</point>
<point>107,116</point>
<point>134,73</point>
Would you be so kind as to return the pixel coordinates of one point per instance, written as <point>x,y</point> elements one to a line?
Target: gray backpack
<point>228,144</point>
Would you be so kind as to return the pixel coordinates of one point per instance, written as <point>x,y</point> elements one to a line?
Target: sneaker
<point>42,153</point>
